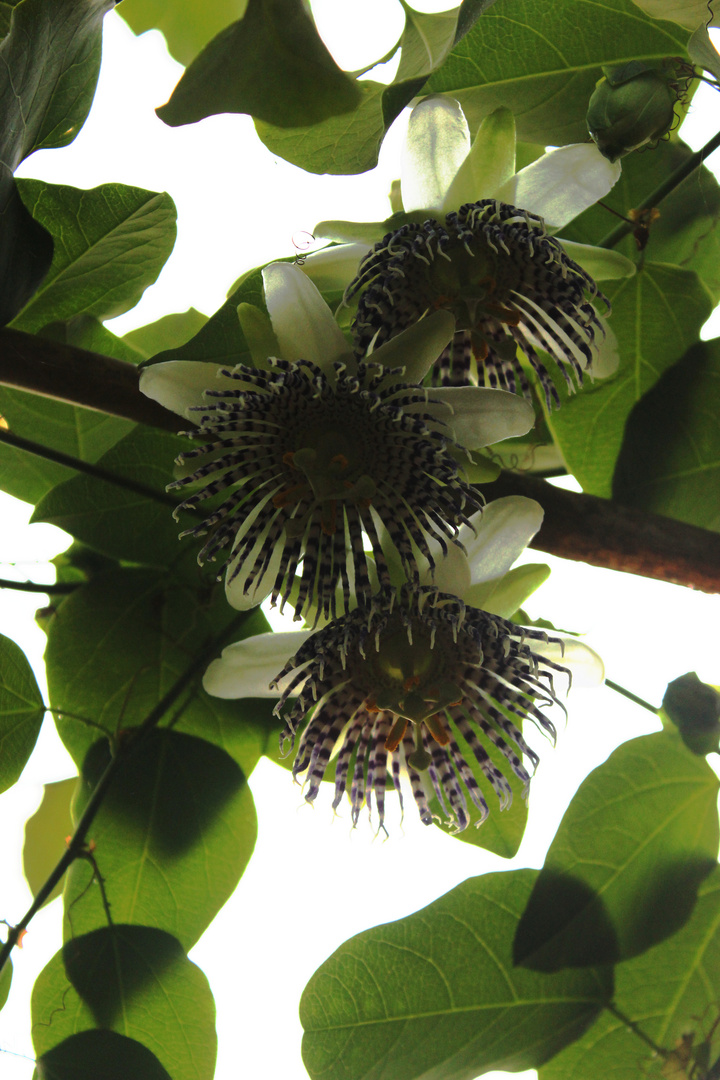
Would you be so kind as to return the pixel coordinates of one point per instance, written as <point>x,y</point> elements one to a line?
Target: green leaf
<point>624,868</point>
<point>113,520</point>
<point>87,332</point>
<point>26,249</point>
<point>685,234</point>
<point>341,145</point>
<point>547,76</point>
<point>671,989</point>
<point>83,433</point>
<point>118,644</point>
<point>186,25</point>
<point>670,457</point>
<point>272,64</point>
<point>220,340</point>
<point>110,243</point>
<point>436,995</point>
<point>5,980</point>
<point>21,712</point>
<point>49,64</point>
<point>134,980</point>
<point>45,835</point>
<point>91,1054</point>
<point>657,315</point>
<point>170,332</point>
<point>425,42</point>
<point>171,840</point>
<point>694,707</point>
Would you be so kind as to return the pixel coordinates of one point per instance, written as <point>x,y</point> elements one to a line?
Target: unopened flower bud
<point>632,105</point>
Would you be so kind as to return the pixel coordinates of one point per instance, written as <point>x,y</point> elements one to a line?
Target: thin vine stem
<point>76,845</point>
<point>631,697</point>
<point>56,588</point>
<point>662,190</point>
<point>96,471</point>
<point>632,1026</point>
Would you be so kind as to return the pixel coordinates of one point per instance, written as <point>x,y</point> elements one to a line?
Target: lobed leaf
<point>110,243</point>
<point>669,462</point>
<point>272,64</point>
<point>671,989</point>
<point>436,996</point>
<point>186,26</point>
<point>21,712</point>
<point>49,64</point>
<point>657,315</point>
<point>686,232</point>
<point>136,981</point>
<point>171,840</point>
<point>547,76</point>
<point>626,863</point>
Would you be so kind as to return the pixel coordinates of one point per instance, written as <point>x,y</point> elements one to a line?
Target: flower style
<point>312,451</point>
<point>493,262</point>
<point>418,682</point>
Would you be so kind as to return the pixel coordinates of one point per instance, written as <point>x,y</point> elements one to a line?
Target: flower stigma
<point>420,684</point>
<point>508,283</point>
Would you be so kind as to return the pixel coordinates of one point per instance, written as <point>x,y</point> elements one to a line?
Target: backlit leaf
<point>435,996</point>
<point>134,980</point>
<point>21,712</point>
<point>46,833</point>
<point>91,1054</point>
<point>171,840</point>
<point>623,871</point>
<point>671,989</point>
<point>110,243</point>
<point>549,73</point>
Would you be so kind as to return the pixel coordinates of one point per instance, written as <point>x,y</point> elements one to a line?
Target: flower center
<point>408,677</point>
<point>333,472</point>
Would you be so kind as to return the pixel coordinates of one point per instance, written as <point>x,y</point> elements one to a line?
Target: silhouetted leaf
<point>272,64</point>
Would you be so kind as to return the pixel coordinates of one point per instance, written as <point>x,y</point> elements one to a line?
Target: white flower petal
<point>236,583</point>
<point>561,184</point>
<point>335,267</point>
<point>417,348</point>
<point>179,384</point>
<point>452,571</point>
<point>437,143</point>
<point>489,165</point>
<point>607,360</point>
<point>302,321</point>
<point>246,668</point>
<point>602,264</point>
<point>505,595</point>
<point>481,416</point>
<point>503,529</point>
<point>585,665</point>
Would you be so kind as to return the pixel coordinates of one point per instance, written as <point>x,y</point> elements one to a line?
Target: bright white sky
<point>312,882</point>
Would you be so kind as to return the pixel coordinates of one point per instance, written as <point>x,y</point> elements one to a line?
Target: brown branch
<point>79,377</point>
<point>604,533</point>
<point>579,527</point>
